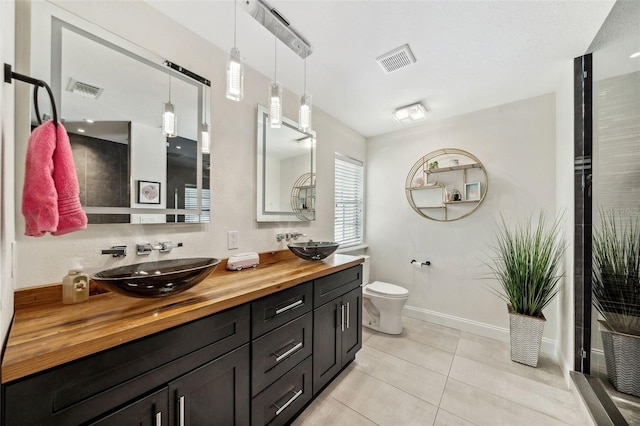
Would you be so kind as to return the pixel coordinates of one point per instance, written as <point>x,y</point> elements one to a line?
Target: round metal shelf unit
<point>446,185</point>
<point>303,197</point>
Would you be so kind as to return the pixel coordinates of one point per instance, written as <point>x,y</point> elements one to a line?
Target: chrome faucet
<point>116,251</point>
<point>167,246</point>
<point>163,247</point>
<point>289,235</point>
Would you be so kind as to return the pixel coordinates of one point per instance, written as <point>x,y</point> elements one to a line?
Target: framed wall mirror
<point>110,95</point>
<point>286,171</point>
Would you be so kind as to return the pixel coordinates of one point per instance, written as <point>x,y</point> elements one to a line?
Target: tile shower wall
<point>103,175</point>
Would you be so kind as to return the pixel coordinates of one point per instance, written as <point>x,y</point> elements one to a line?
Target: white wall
<point>233,171</point>
<point>7,205</point>
<point>565,205</point>
<point>516,143</point>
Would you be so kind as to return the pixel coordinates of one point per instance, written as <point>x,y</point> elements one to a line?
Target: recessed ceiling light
<point>80,130</point>
<point>88,120</point>
<point>635,55</point>
<point>410,113</point>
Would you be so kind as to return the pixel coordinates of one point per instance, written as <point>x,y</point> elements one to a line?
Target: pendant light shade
<point>275,105</point>
<point>206,141</point>
<point>235,76</point>
<point>235,68</point>
<point>304,115</point>
<point>169,118</point>
<point>274,93</point>
<point>204,128</point>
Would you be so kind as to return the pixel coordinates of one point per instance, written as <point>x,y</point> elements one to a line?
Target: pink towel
<point>50,197</point>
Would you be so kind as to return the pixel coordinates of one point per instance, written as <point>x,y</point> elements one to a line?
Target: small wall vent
<point>84,89</point>
<point>396,59</point>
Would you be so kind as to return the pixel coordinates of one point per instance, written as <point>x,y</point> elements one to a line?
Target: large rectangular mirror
<point>110,95</point>
<point>286,165</point>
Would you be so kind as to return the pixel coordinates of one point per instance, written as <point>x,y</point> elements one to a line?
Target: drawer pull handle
<point>159,418</point>
<point>288,307</point>
<point>347,314</point>
<point>289,402</point>
<point>181,412</point>
<point>289,352</point>
<point>342,318</point>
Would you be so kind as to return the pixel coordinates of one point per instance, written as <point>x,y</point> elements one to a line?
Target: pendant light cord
<point>275,59</point>
<point>305,77</point>
<point>235,21</point>
<point>169,88</point>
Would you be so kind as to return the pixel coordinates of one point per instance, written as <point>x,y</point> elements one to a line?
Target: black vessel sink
<point>313,250</point>
<point>156,279</point>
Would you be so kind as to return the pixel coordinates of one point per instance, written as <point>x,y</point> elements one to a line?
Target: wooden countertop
<point>46,333</point>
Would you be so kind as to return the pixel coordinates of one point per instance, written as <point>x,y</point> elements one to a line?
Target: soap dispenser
<point>75,285</point>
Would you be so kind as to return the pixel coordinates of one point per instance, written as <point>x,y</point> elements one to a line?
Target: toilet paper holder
<point>425,263</point>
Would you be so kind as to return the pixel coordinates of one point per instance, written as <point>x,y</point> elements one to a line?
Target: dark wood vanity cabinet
<point>258,363</point>
<point>337,325</point>
<point>129,380</point>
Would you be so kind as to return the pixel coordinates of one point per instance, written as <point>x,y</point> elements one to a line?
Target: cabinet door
<point>352,334</point>
<point>216,393</point>
<point>149,411</point>
<point>327,338</point>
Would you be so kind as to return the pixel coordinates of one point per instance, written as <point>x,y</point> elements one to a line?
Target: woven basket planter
<point>622,356</point>
<point>526,337</point>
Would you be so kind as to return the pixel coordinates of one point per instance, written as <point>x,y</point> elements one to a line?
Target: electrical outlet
<point>232,240</point>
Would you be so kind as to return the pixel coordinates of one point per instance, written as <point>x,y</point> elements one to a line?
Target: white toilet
<point>382,303</point>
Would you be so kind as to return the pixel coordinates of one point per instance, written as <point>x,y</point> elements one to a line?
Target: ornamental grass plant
<point>616,272</point>
<point>526,263</point>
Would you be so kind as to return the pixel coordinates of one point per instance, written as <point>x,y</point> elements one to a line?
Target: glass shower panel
<point>616,185</point>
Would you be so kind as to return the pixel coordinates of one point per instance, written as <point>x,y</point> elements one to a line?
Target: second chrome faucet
<point>145,249</point>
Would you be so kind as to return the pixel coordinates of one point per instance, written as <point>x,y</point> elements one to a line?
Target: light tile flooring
<point>434,375</point>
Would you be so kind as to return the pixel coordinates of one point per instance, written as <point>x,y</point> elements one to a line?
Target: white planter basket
<point>622,356</point>
<point>526,338</point>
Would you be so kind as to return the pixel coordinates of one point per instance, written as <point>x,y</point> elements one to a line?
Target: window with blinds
<point>348,219</point>
<point>191,202</point>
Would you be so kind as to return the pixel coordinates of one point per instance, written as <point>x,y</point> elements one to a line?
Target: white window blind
<point>191,202</point>
<point>348,201</point>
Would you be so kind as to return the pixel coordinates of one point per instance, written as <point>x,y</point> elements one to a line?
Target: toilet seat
<point>387,290</point>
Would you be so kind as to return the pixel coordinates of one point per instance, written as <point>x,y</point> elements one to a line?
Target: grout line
<point>355,411</point>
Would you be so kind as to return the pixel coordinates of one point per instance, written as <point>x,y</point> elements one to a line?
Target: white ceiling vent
<point>396,59</point>
<point>84,89</point>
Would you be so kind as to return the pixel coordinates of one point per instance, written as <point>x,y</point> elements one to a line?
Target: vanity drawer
<point>277,352</point>
<point>278,403</point>
<point>279,308</point>
<point>327,288</point>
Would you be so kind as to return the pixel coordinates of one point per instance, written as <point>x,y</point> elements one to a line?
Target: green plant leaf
<point>526,263</point>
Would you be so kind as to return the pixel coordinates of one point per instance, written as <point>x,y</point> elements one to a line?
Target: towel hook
<point>9,75</point>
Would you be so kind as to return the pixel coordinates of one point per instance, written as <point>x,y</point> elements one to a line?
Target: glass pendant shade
<point>206,141</point>
<point>275,105</point>
<point>304,115</point>
<point>169,121</point>
<point>235,76</point>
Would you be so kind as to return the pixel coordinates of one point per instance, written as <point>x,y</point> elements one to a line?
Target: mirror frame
<point>263,215</point>
<point>53,20</point>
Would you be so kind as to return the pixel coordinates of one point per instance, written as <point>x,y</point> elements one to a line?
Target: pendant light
<point>275,95</point>
<point>235,68</point>
<point>204,129</point>
<point>169,118</point>
<point>304,115</point>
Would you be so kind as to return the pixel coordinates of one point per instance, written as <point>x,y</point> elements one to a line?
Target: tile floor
<point>434,375</point>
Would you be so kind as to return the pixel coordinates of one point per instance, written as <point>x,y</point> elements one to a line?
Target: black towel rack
<point>10,75</point>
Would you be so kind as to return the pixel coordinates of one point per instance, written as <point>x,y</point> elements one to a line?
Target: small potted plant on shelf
<point>527,265</point>
<point>616,296</point>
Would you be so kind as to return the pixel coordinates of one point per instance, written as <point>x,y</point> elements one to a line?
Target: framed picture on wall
<point>148,192</point>
<point>472,191</point>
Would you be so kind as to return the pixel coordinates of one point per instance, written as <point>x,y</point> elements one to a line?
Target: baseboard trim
<point>471,326</point>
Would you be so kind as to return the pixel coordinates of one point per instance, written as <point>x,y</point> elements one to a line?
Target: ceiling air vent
<point>396,59</point>
<point>84,89</point>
